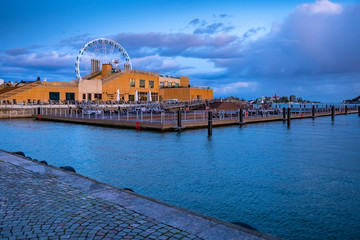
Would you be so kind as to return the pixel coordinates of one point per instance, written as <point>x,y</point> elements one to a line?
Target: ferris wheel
<point>98,52</point>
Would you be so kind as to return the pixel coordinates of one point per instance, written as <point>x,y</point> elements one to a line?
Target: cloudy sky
<point>248,48</point>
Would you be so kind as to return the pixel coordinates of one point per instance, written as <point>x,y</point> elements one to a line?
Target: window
<point>143,96</point>
<point>169,84</point>
<point>131,97</point>
<point>110,96</point>
<point>132,82</point>
<point>98,96</point>
<point>84,96</point>
<point>142,83</point>
<point>70,96</point>
<point>54,96</point>
<point>162,84</point>
<point>151,84</point>
<point>176,85</point>
<point>154,97</point>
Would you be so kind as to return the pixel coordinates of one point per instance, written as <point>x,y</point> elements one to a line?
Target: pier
<point>43,201</point>
<point>177,118</point>
<point>182,119</point>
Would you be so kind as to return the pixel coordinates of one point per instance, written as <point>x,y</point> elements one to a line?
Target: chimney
<point>106,70</point>
<point>95,65</point>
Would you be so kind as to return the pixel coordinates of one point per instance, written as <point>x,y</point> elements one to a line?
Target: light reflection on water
<point>301,182</point>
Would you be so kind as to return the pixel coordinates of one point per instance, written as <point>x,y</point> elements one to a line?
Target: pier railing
<point>138,115</point>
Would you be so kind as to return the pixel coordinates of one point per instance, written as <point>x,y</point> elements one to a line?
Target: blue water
<point>301,182</point>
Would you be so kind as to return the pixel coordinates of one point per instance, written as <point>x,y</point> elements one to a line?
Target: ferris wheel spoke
<point>112,51</point>
<point>97,49</point>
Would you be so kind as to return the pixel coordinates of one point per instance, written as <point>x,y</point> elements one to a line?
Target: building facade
<point>107,85</point>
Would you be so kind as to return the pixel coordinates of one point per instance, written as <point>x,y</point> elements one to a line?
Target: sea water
<point>301,182</point>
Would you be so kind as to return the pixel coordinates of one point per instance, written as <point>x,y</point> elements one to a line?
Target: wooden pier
<point>157,122</point>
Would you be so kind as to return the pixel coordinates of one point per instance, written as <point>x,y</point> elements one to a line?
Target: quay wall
<point>16,113</point>
<point>27,111</point>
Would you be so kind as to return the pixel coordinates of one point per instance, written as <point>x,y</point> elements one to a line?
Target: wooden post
<point>332,112</point>
<point>313,111</point>
<point>210,123</point>
<point>284,113</point>
<point>346,109</point>
<point>288,116</point>
<point>179,118</point>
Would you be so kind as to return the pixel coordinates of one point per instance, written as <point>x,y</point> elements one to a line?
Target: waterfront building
<point>106,85</point>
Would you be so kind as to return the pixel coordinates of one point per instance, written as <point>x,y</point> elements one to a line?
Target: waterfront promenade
<point>45,202</point>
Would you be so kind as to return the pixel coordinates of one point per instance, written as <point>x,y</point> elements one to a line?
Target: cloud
<point>17,51</point>
<point>314,50</point>
<point>321,6</point>
<point>26,66</point>
<point>178,44</point>
<point>156,64</point>
<point>194,22</point>
<point>216,27</point>
<point>305,44</point>
<point>253,31</point>
<point>235,87</point>
<point>224,15</point>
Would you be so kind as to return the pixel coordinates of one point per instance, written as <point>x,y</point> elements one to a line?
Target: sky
<point>246,49</point>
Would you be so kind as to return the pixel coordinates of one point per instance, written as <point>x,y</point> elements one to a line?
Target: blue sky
<point>240,48</point>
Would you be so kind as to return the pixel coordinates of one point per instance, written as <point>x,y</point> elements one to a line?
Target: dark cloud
<point>253,31</point>
<point>213,28</point>
<point>17,51</point>
<point>209,29</point>
<point>178,44</point>
<point>306,43</point>
<point>194,22</point>
<point>224,15</point>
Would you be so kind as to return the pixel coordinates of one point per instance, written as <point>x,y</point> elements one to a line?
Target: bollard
<point>179,118</point>
<point>313,111</point>
<point>288,116</point>
<point>346,109</point>
<point>284,114</point>
<point>241,116</point>
<point>332,112</point>
<point>210,123</point>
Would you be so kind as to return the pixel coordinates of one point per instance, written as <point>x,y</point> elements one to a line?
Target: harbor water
<point>301,182</point>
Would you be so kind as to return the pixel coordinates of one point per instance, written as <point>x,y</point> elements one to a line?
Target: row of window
<point>169,84</point>
<point>56,96</point>
<point>141,83</point>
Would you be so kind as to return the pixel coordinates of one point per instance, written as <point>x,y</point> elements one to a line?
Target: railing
<point>160,116</point>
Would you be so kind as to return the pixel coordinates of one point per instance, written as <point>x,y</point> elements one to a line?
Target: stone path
<point>43,202</point>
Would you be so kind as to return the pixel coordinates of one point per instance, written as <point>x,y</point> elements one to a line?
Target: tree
<point>284,99</point>
<point>292,98</point>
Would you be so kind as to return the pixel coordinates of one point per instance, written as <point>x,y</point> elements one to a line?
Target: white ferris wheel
<point>98,52</point>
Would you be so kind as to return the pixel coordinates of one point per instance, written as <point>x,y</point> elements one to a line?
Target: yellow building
<point>106,85</point>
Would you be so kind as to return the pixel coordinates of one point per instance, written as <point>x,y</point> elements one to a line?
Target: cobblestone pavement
<point>34,205</point>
